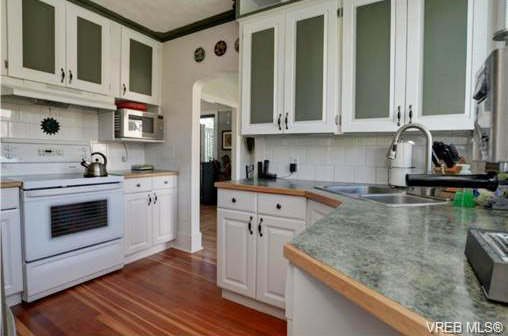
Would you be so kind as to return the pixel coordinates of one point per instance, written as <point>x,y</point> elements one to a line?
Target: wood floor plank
<point>170,293</point>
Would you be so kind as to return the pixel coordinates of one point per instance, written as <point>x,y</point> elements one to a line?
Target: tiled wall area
<point>343,158</point>
<point>21,119</point>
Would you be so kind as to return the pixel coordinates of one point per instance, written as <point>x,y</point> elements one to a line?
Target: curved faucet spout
<point>392,151</point>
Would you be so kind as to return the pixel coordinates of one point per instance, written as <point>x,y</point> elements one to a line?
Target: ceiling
<point>166,15</point>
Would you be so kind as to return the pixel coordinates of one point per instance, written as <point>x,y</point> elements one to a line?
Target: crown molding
<point>206,23</point>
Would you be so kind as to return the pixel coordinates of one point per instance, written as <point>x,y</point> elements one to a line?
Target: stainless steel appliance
<point>491,95</point>
<point>487,252</point>
<point>133,124</point>
<point>96,169</point>
<point>72,226</point>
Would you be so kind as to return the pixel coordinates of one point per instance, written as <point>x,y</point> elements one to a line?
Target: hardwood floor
<point>208,227</point>
<point>170,293</point>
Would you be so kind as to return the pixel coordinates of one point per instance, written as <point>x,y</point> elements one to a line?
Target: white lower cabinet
<point>11,245</point>
<point>250,244</point>
<point>150,215</point>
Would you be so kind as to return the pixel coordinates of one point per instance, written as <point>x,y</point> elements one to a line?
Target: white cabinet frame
<point>15,44</point>
<point>73,12</point>
<point>330,64</point>
<point>277,22</point>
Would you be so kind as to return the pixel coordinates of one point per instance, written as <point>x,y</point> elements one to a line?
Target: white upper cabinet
<point>289,72</point>
<point>440,63</point>
<point>408,61</point>
<point>140,68</point>
<point>56,42</point>
<point>88,42</point>
<point>36,40</point>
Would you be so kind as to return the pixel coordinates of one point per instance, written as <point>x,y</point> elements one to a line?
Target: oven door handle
<point>71,190</point>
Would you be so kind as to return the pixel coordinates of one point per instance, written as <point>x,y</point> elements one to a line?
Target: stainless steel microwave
<point>140,125</point>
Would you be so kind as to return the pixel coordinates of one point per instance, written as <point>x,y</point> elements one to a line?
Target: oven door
<point>60,220</point>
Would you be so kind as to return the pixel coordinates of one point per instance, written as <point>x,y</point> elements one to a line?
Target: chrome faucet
<point>392,152</point>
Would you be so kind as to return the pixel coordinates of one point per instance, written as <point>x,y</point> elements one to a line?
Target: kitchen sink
<point>385,195</point>
<point>403,200</point>
<point>361,190</point>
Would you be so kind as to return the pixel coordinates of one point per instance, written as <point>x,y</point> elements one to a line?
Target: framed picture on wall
<point>227,140</point>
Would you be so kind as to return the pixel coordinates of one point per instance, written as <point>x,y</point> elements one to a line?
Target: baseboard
<point>148,252</point>
<point>190,243</point>
<point>13,299</point>
<point>251,303</point>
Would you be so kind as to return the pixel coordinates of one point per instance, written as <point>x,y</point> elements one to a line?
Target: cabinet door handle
<point>155,198</point>
<point>62,75</point>
<point>260,228</point>
<point>279,121</point>
<point>149,200</point>
<point>410,114</point>
<point>70,76</point>
<point>165,182</point>
<point>398,115</point>
<point>286,120</point>
<point>250,225</point>
<point>233,200</point>
<point>278,206</point>
<point>124,89</point>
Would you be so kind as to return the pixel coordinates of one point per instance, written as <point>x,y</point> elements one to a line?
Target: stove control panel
<point>42,153</point>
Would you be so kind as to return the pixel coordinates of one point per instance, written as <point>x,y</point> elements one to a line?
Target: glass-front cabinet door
<point>36,39</point>
<point>373,71</point>
<point>439,61</point>
<point>262,54</point>
<point>311,69</point>
<point>140,73</point>
<point>87,50</point>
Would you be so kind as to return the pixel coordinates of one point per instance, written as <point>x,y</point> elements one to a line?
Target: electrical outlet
<point>293,165</point>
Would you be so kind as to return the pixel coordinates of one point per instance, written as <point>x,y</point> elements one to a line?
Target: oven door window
<point>78,217</point>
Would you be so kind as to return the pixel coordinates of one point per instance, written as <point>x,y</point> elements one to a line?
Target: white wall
<point>21,119</point>
<point>180,73</point>
<point>344,158</point>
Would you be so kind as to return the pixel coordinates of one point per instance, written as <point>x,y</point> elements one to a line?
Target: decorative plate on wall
<point>220,48</point>
<point>237,45</point>
<point>199,54</point>
<point>50,126</point>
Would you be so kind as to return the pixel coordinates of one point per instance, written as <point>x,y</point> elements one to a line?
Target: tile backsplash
<point>21,119</point>
<point>344,158</point>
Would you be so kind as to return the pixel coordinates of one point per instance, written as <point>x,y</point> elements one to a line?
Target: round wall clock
<point>50,126</point>
<point>220,48</point>
<point>237,45</point>
<point>199,55</point>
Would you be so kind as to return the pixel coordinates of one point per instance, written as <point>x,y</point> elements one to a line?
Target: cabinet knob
<point>138,185</point>
<point>233,200</point>
<point>279,206</point>
<point>165,182</point>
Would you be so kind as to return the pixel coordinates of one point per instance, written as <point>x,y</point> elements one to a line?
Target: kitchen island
<point>404,265</point>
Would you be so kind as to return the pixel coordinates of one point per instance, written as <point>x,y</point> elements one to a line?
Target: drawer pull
<point>165,182</point>
<point>259,227</point>
<point>233,200</point>
<point>138,185</point>
<point>250,225</point>
<point>279,206</point>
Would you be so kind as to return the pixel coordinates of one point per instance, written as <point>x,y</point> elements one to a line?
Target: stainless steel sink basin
<point>401,200</point>
<point>361,190</point>
<point>385,195</point>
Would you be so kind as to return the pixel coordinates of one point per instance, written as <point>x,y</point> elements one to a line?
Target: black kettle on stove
<point>95,168</point>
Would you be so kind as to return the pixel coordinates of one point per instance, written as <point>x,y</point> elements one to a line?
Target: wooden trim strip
<point>330,201</point>
<point>10,184</point>
<point>387,310</point>
<point>149,174</point>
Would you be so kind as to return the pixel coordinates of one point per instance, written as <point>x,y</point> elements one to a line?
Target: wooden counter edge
<point>385,309</point>
<point>10,184</point>
<point>281,191</point>
<point>148,174</point>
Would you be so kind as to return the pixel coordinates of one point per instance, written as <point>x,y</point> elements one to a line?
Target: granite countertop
<point>149,173</point>
<point>411,255</point>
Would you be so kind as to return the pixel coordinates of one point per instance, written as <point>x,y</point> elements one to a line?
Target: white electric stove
<point>72,226</point>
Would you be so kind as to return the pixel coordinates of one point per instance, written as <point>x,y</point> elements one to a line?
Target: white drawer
<point>282,206</point>
<point>10,198</point>
<point>164,182</point>
<point>137,185</point>
<point>237,200</point>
